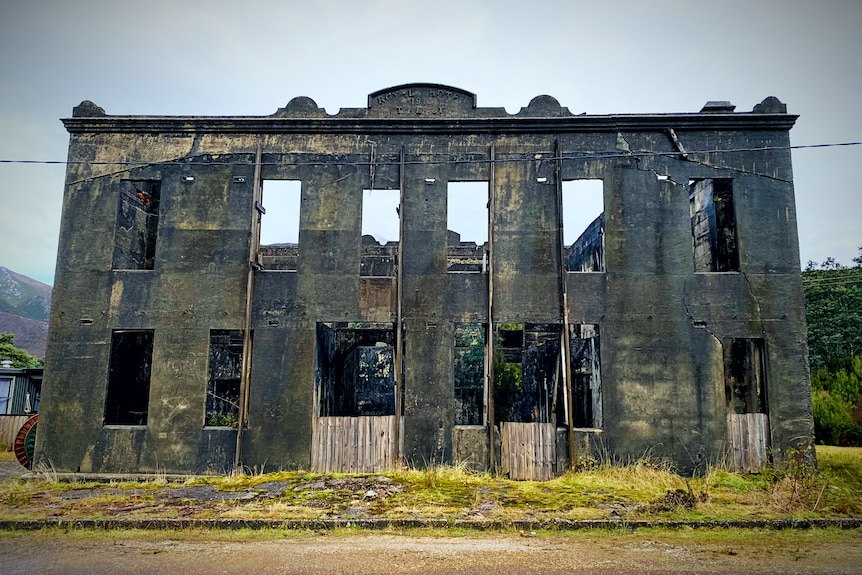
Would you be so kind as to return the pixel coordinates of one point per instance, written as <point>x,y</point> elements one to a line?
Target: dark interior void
<point>586,375</point>
<point>587,253</point>
<point>745,376</point>
<point>128,394</point>
<point>137,224</point>
<point>713,225</point>
<point>527,368</point>
<point>355,369</point>
<point>469,366</point>
<point>225,370</point>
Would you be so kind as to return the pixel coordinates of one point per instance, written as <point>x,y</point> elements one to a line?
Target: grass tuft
<point>640,489</point>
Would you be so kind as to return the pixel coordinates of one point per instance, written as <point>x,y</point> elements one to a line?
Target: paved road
<point>97,553</point>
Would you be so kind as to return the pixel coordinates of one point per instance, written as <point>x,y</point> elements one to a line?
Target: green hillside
<point>833,309</point>
<point>24,296</point>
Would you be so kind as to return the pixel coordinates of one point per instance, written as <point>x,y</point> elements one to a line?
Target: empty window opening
<point>469,367</point>
<point>527,368</point>
<point>713,225</point>
<point>128,396</point>
<point>467,225</point>
<point>225,372</point>
<point>355,369</point>
<point>381,215</point>
<point>381,230</point>
<point>19,395</point>
<point>137,225</point>
<point>745,376</point>
<point>583,204</point>
<point>279,224</point>
<point>5,391</point>
<point>586,376</point>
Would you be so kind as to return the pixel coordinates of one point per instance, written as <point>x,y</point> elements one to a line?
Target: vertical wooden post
<point>489,338</point>
<point>245,372</point>
<point>397,439</point>
<point>567,357</point>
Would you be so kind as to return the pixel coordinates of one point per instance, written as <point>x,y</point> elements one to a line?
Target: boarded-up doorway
<point>354,427</point>
<point>363,444</point>
<point>529,450</point>
<point>747,413</point>
<point>749,441</point>
<point>528,394</point>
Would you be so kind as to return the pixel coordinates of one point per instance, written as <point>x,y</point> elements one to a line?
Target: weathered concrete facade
<point>170,321</point>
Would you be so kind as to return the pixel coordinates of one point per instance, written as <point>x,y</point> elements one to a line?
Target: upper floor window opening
<point>279,224</point>
<point>467,216</point>
<point>583,217</point>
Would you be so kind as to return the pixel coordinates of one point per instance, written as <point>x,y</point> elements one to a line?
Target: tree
<point>833,310</point>
<point>19,357</point>
<point>836,398</point>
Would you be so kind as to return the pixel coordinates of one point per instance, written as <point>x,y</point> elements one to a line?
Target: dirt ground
<point>9,467</point>
<point>96,553</point>
<point>192,552</point>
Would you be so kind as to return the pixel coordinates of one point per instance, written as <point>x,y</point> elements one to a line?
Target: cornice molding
<point>428,126</point>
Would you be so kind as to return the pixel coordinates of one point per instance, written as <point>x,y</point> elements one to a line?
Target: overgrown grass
<point>641,489</point>
<point>750,538</point>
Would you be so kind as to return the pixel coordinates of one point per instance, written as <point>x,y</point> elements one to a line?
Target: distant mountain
<point>24,307</point>
<point>24,296</point>
<point>30,335</point>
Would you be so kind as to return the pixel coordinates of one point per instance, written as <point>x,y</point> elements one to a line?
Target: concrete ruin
<point>670,324</point>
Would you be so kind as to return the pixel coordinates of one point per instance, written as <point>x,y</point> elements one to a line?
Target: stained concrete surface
<point>164,251</point>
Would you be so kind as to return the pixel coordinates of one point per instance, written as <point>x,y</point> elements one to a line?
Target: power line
<point>830,282</point>
<point>527,157</point>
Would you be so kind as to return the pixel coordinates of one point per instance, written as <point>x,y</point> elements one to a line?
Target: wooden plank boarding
<point>749,441</point>
<point>353,444</point>
<point>9,426</point>
<point>529,450</point>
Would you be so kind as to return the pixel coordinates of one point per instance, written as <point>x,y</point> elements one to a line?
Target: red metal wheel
<point>25,442</point>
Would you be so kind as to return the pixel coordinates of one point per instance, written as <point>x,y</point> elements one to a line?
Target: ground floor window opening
<point>745,376</point>
<point>469,366</point>
<point>355,369</point>
<point>128,395</point>
<point>586,376</point>
<point>225,373</point>
<point>527,373</point>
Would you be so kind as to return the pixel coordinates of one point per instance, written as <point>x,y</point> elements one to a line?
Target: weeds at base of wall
<point>644,489</point>
<point>797,486</point>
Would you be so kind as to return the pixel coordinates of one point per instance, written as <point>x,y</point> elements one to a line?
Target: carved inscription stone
<point>421,101</point>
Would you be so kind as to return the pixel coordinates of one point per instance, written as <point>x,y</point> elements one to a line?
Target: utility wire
<point>830,282</point>
<point>526,157</point>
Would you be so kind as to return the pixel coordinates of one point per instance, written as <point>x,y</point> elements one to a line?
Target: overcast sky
<point>250,58</point>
